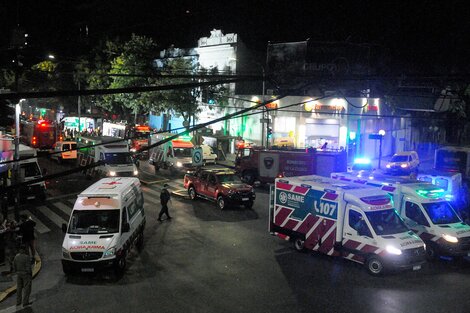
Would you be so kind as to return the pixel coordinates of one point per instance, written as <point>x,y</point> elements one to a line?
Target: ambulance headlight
<point>450,238</point>
<point>388,166</point>
<point>393,250</point>
<point>109,253</point>
<point>133,150</point>
<point>179,164</point>
<point>404,165</point>
<point>136,172</point>
<point>112,173</point>
<point>65,253</point>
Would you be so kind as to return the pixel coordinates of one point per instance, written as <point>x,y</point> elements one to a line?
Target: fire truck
<point>258,164</point>
<point>356,222</point>
<point>40,134</point>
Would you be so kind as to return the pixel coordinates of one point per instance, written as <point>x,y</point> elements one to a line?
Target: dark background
<point>417,33</point>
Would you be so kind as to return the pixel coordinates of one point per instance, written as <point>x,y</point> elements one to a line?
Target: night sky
<point>414,31</point>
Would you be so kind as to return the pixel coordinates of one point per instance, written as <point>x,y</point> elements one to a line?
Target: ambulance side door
<point>356,234</point>
<point>126,230</point>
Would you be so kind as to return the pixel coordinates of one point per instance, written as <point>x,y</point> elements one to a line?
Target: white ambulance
<point>107,220</point>
<point>353,221</point>
<point>174,155</point>
<point>425,210</point>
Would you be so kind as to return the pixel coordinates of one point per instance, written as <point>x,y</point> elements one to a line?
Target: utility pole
<point>79,104</point>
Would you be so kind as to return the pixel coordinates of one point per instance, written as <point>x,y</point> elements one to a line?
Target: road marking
<point>40,227</point>
<point>63,207</point>
<point>52,216</point>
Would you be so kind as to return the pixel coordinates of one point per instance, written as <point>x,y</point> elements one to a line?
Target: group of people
<point>17,248</point>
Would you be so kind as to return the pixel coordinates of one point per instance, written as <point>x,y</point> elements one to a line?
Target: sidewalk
<point>8,280</point>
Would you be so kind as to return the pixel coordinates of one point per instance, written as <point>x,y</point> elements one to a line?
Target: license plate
<point>416,267</point>
<point>245,199</point>
<point>88,270</point>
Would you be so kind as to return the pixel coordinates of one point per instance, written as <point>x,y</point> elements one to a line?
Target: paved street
<point>207,260</point>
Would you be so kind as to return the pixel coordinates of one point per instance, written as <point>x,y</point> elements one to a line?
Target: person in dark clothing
<point>24,276</point>
<point>27,232</point>
<point>164,198</point>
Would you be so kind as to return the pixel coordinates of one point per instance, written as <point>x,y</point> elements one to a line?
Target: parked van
<point>405,162</point>
<point>208,155</point>
<point>107,220</point>
<point>69,151</point>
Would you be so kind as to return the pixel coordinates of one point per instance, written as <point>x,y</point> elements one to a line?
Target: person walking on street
<point>164,198</point>
<point>27,232</point>
<point>24,276</point>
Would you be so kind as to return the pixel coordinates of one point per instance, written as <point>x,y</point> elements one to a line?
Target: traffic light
<point>7,113</point>
<point>269,132</point>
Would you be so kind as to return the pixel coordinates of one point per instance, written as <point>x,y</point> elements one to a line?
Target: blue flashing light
<point>361,161</point>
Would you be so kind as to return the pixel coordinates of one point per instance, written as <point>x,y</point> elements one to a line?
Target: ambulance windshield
<point>441,213</point>
<point>94,222</point>
<point>118,158</point>
<point>182,152</point>
<point>386,222</point>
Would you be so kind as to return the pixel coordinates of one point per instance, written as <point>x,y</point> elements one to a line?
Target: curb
<point>10,290</point>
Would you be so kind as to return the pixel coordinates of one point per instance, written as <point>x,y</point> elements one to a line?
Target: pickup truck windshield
<point>182,152</point>
<point>386,222</point>
<point>229,178</point>
<point>441,213</point>
<point>118,158</point>
<point>94,222</point>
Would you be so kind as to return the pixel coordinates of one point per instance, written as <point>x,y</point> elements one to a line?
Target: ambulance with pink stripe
<point>424,209</point>
<point>348,220</point>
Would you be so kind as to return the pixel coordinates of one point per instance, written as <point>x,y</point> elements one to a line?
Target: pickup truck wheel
<point>375,266</point>
<point>192,193</point>
<point>299,244</point>
<point>221,202</point>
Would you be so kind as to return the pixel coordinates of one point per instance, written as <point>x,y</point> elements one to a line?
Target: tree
<point>183,102</point>
<point>7,114</point>
<point>130,68</point>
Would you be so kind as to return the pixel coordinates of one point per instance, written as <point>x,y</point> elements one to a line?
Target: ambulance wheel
<point>140,242</point>
<point>192,193</point>
<point>299,244</point>
<point>375,266</point>
<point>249,205</point>
<point>120,264</point>
<point>221,204</point>
<point>67,269</point>
<point>157,168</point>
<point>431,251</point>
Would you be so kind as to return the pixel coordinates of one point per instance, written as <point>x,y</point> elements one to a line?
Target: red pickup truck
<point>222,186</point>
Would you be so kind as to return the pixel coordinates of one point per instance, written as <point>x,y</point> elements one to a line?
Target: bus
<point>40,134</point>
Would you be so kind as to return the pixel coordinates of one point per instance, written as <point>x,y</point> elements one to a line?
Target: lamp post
<point>381,135</point>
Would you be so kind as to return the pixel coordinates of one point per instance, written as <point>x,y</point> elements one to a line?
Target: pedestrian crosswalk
<point>52,214</point>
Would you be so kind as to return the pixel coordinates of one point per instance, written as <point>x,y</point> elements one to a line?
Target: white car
<point>405,162</point>
<point>68,148</point>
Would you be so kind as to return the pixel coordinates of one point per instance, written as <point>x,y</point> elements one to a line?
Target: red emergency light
<point>142,128</point>
<point>34,141</point>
